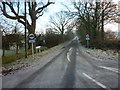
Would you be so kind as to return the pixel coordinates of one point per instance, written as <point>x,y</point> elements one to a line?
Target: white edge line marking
<point>98,83</point>
<point>111,69</point>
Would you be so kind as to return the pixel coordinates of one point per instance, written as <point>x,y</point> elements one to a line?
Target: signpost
<point>87,39</point>
<point>25,33</point>
<point>32,41</point>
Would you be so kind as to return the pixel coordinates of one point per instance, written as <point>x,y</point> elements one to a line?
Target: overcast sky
<point>43,21</point>
<point>58,6</point>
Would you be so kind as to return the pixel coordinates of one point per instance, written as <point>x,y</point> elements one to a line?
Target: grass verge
<point>12,58</point>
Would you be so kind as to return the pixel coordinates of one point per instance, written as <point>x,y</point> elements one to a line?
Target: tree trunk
<point>31,29</point>
<point>3,54</point>
<point>3,46</point>
<point>17,48</point>
<point>102,27</point>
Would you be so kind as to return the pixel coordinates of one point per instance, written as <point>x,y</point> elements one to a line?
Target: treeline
<point>52,38</point>
<point>91,18</point>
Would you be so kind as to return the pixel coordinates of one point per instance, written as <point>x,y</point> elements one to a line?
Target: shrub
<point>107,44</point>
<point>43,48</point>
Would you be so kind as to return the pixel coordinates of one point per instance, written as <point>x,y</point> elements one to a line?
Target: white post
<point>38,49</point>
<point>32,50</point>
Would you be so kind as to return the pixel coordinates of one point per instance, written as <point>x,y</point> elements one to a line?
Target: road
<point>68,67</point>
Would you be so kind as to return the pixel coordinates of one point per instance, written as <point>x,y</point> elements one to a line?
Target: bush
<point>107,44</point>
<point>43,48</point>
<point>53,39</point>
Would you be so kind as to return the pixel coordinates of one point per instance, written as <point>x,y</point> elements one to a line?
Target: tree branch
<point>40,9</point>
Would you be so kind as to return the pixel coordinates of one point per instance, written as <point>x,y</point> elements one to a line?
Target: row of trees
<point>61,23</point>
<point>52,38</point>
<point>13,11</point>
<point>35,9</point>
<point>12,38</point>
<point>91,18</point>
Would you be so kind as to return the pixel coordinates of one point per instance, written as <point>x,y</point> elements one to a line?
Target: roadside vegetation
<point>11,58</point>
<point>91,19</point>
<point>86,18</point>
<point>11,53</point>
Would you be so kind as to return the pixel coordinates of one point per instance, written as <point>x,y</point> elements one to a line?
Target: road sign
<point>31,36</point>
<point>87,37</point>
<point>31,41</point>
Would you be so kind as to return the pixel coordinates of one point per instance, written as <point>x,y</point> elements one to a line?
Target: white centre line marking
<point>0,74</point>
<point>68,56</point>
<point>70,49</point>
<point>98,83</point>
<point>111,69</point>
<point>69,53</point>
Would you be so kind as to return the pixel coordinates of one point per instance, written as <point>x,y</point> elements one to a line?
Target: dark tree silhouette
<point>35,9</point>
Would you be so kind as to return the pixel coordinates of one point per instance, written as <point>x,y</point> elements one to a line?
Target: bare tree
<point>92,16</point>
<point>5,28</point>
<point>106,9</point>
<point>16,36</point>
<point>0,38</point>
<point>60,22</point>
<point>71,27</point>
<point>35,10</point>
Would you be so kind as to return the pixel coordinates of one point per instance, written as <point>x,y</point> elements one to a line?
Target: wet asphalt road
<point>69,68</point>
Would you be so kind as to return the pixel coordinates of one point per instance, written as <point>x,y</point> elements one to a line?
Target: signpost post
<point>32,41</point>
<point>87,39</point>
<point>25,33</point>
